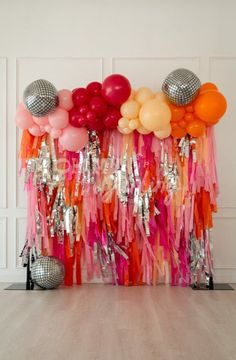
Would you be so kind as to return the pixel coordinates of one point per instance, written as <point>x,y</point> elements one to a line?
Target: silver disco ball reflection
<point>47,272</point>
<point>181,86</point>
<point>40,98</point>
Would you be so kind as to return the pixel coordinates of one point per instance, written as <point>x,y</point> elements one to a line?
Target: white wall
<point>73,42</point>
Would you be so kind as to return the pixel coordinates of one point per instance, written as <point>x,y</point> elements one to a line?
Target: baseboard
<point>225,275</point>
<point>221,275</point>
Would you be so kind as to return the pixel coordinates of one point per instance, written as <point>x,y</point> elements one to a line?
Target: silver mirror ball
<point>181,87</point>
<point>47,272</point>
<point>40,98</point>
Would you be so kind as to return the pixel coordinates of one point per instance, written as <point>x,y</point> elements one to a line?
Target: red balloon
<point>111,119</point>
<point>82,121</point>
<point>91,116</point>
<point>83,109</point>
<point>80,96</point>
<point>98,105</point>
<point>96,125</point>
<point>116,89</point>
<point>76,119</point>
<point>94,88</point>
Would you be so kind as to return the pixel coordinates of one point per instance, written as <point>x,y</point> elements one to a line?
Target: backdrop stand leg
<point>28,284</point>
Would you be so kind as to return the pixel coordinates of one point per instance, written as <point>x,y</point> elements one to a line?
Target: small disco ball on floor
<point>47,272</point>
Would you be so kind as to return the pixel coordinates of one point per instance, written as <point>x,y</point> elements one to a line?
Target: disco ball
<point>40,98</point>
<point>47,272</point>
<point>181,87</point>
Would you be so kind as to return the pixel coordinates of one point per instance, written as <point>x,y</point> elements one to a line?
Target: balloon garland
<point>122,180</point>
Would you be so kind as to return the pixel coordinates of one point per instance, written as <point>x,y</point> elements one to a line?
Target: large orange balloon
<point>177,112</point>
<point>178,132</point>
<point>196,128</point>
<point>207,87</point>
<point>210,106</point>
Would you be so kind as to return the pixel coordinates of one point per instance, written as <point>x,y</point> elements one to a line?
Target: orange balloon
<point>183,124</point>
<point>190,108</point>
<point>208,86</point>
<point>177,112</point>
<point>210,106</point>
<point>196,128</point>
<point>189,117</point>
<point>178,132</point>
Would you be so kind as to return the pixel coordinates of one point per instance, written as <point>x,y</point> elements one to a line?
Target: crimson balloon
<point>94,88</point>
<point>111,119</point>
<point>80,97</point>
<point>83,109</point>
<point>93,122</point>
<point>76,119</point>
<point>91,116</point>
<point>116,89</point>
<point>98,105</point>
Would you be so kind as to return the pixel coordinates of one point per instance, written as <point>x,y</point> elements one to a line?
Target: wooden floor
<point>102,322</point>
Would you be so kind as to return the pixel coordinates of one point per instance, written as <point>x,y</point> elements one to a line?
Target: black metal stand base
<point>21,286</point>
<point>214,287</point>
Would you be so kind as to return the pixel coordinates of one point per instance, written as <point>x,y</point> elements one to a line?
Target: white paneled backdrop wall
<point>71,43</point>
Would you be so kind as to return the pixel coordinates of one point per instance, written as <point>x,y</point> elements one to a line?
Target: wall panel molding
<point>3,242</point>
<point>3,132</point>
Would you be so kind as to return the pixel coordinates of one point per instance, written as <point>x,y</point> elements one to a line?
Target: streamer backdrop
<point>122,183</point>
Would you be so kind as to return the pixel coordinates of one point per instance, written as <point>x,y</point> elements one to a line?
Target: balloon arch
<point>122,181</point>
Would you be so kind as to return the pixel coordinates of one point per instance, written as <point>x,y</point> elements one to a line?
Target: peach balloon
<point>130,109</point>
<point>134,124</point>
<point>155,115</point>
<point>143,131</point>
<point>132,94</point>
<point>65,99</point>
<point>162,134</point>
<point>125,131</point>
<point>143,94</point>
<point>123,122</point>
<point>160,96</point>
<point>59,119</point>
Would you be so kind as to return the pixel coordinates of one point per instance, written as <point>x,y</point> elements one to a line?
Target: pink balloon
<point>59,119</point>
<point>41,121</point>
<point>55,133</point>
<point>24,119</point>
<point>36,131</point>
<point>20,107</point>
<point>47,128</point>
<point>73,139</point>
<point>65,99</point>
